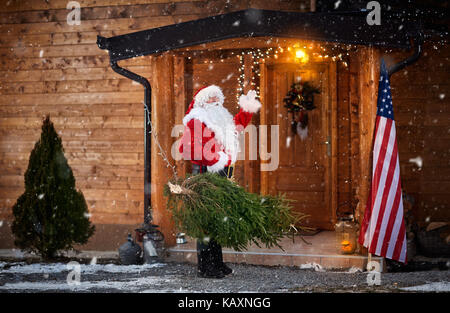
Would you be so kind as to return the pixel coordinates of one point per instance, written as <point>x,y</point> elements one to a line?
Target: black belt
<point>197,169</point>
<point>227,171</point>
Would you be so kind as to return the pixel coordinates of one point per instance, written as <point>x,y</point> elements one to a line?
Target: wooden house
<point>50,67</point>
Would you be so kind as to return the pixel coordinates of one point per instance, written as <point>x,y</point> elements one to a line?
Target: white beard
<point>220,121</point>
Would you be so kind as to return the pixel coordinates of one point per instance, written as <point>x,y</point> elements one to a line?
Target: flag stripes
<point>383,227</point>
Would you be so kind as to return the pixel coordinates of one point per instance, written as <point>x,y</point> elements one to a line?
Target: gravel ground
<point>181,277</point>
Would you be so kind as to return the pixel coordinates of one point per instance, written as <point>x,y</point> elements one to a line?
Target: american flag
<point>383,228</point>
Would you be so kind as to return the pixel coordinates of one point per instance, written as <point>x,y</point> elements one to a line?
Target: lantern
<point>181,238</point>
<point>346,233</point>
<point>152,241</point>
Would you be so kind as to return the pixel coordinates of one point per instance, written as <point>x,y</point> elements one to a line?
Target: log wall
<point>420,96</point>
<point>49,67</point>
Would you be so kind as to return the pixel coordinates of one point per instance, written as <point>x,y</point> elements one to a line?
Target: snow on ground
<point>182,277</point>
<point>353,270</point>
<point>443,286</point>
<point>42,268</point>
<point>129,285</point>
<point>314,266</point>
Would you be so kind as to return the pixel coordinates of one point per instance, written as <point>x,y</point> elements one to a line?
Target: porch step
<point>318,249</point>
<point>328,262</point>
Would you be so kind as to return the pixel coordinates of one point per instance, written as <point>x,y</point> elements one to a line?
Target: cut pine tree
<point>209,206</point>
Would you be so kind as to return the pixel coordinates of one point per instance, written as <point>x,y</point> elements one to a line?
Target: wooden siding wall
<point>421,97</point>
<point>49,67</point>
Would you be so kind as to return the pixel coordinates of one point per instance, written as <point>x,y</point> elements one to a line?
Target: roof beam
<point>347,28</point>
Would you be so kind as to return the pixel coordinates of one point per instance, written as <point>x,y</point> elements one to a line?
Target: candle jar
<point>346,231</point>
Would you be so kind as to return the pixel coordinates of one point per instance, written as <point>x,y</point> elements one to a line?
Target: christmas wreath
<point>210,206</point>
<point>299,100</point>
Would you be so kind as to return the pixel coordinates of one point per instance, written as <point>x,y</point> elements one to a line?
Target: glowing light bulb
<point>301,55</point>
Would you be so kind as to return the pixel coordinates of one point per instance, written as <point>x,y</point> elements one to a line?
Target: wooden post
<point>180,102</point>
<point>334,141</point>
<point>354,128</point>
<point>248,170</point>
<point>163,120</point>
<point>369,65</point>
<point>264,176</point>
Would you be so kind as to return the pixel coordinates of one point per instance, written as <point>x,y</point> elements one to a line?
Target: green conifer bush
<point>51,214</point>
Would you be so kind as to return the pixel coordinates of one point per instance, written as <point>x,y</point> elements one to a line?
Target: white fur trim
<point>220,164</point>
<point>211,91</point>
<point>248,102</point>
<point>221,122</point>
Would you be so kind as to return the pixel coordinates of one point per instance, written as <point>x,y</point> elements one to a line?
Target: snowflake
<point>337,4</point>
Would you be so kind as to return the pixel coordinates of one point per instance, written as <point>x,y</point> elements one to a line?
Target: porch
<point>314,249</point>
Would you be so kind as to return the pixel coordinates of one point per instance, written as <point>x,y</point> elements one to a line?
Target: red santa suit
<point>211,133</point>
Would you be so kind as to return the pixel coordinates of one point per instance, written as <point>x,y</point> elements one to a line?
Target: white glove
<point>249,103</point>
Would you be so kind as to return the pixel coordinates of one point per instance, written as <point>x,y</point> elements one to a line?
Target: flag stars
<point>384,100</point>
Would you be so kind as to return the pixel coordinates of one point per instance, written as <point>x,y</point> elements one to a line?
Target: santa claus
<point>210,141</point>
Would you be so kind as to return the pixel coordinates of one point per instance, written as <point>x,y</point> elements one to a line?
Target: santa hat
<point>203,94</point>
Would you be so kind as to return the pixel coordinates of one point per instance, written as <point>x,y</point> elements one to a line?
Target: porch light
<point>301,55</point>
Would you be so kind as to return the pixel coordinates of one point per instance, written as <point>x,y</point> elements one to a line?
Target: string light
<point>336,52</point>
<point>240,78</point>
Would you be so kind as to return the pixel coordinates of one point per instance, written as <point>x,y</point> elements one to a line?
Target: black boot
<point>219,258</point>
<point>207,262</point>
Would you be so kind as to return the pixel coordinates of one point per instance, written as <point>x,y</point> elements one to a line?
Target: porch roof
<point>340,27</point>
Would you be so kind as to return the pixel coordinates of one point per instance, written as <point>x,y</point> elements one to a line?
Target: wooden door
<point>304,172</point>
